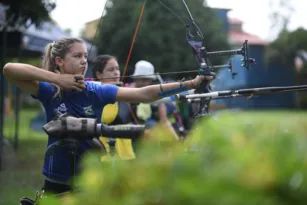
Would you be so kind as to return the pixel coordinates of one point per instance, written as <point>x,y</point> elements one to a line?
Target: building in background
<point>90,29</point>
<point>260,75</point>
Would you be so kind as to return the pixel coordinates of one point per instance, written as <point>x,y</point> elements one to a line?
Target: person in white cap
<point>144,75</point>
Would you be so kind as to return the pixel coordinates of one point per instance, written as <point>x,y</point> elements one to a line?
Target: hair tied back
<point>52,44</point>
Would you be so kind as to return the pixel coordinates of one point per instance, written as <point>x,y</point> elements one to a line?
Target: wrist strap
<point>161,89</point>
<point>181,82</point>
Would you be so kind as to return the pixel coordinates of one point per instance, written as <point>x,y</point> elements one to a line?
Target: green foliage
<point>161,36</point>
<point>286,46</point>
<point>22,11</point>
<point>254,158</point>
<point>284,50</point>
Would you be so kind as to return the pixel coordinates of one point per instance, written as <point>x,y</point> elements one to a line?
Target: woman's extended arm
<point>154,92</point>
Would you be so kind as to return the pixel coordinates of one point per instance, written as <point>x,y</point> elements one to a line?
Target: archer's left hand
<point>200,79</point>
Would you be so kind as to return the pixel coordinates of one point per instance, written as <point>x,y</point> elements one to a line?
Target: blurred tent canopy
<point>32,40</point>
<point>31,31</point>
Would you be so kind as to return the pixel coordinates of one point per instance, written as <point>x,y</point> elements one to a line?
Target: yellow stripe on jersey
<point>123,147</point>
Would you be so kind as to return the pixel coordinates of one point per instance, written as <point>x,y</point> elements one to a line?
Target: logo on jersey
<point>62,108</point>
<point>88,110</point>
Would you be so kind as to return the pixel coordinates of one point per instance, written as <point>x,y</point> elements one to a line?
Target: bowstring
<point>182,21</point>
<point>170,10</point>
<point>200,35</point>
<point>98,27</point>
<point>140,76</point>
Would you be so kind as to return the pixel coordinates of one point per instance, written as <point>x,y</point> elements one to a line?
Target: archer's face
<point>75,60</point>
<point>110,73</point>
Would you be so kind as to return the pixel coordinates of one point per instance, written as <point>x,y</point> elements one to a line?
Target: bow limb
<point>129,55</point>
<point>133,39</point>
<point>98,27</point>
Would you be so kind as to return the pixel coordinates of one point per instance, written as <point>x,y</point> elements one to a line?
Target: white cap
<point>143,67</point>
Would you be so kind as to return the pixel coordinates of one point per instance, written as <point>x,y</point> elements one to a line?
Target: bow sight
<point>202,58</point>
<point>203,94</point>
<point>202,54</point>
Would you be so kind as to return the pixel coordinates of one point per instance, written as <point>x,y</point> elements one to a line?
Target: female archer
<point>106,71</point>
<point>60,85</point>
<point>150,114</point>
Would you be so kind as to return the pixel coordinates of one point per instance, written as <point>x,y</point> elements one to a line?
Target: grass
<point>21,170</point>
<point>21,173</point>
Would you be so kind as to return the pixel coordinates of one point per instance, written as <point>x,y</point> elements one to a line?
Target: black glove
<point>65,125</point>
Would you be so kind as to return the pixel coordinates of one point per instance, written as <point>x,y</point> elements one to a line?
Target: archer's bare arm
<point>151,93</point>
<point>26,76</point>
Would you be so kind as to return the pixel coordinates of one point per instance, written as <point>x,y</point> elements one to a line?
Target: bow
<point>195,39</point>
<point>203,95</point>
<point>196,43</point>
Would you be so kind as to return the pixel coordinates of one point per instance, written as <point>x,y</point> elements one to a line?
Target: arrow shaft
<point>244,92</point>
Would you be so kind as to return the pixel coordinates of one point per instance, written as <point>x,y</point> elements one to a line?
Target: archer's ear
<point>59,62</point>
<point>99,75</point>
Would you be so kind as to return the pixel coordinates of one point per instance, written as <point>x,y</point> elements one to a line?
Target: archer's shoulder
<point>92,83</point>
<point>98,86</point>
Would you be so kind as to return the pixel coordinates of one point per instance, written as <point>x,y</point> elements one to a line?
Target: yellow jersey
<point>123,147</point>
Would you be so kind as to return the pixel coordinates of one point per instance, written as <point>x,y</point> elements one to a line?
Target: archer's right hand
<point>70,82</point>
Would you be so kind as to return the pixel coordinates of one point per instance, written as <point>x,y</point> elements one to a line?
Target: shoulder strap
<point>133,114</point>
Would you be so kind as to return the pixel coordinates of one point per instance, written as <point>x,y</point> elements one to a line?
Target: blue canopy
<point>36,38</point>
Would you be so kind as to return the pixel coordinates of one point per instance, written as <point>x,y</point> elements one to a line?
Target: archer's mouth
<point>83,69</point>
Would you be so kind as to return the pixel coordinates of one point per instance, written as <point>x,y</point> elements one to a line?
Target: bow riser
<point>202,58</point>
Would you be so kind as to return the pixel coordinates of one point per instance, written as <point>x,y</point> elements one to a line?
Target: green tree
<point>284,50</point>
<point>161,37</point>
<point>280,15</point>
<point>285,47</point>
<point>26,12</point>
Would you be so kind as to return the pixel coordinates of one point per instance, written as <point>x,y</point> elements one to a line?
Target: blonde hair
<point>58,48</point>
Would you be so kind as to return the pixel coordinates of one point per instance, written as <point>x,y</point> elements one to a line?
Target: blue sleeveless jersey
<point>88,103</point>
